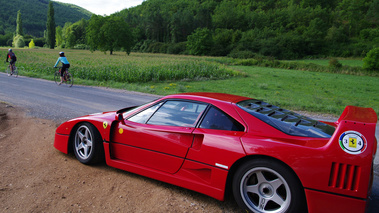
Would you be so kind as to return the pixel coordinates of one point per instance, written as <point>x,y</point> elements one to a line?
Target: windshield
<point>286,121</point>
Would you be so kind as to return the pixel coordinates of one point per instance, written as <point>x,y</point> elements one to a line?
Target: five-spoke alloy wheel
<point>87,144</point>
<point>266,186</point>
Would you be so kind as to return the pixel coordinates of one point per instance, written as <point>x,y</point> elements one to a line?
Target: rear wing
<point>358,114</point>
<point>356,130</point>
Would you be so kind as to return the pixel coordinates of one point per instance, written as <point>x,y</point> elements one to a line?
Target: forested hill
<point>34,15</point>
<point>279,28</point>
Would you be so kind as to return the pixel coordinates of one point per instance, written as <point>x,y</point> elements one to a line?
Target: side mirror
<point>119,117</point>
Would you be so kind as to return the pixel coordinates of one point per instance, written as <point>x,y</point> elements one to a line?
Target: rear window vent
<point>286,121</point>
<point>344,176</point>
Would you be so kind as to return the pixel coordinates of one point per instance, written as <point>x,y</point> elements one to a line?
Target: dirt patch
<point>35,177</point>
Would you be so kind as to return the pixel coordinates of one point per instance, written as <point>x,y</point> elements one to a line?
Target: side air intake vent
<point>344,176</point>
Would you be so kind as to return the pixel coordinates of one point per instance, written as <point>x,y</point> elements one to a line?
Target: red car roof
<point>211,95</point>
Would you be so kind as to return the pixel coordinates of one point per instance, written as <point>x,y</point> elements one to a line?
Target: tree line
<point>282,29</point>
<point>34,14</point>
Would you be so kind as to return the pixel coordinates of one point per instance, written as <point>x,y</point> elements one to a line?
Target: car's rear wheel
<point>87,144</point>
<point>267,186</point>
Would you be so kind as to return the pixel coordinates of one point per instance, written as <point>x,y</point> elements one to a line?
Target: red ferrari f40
<point>269,158</point>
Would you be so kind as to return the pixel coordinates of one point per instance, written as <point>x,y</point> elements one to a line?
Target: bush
<point>5,38</point>
<point>144,47</point>
<point>177,48</point>
<point>81,47</point>
<point>155,47</point>
<point>244,54</point>
<point>31,44</point>
<point>371,61</point>
<point>39,42</point>
<point>334,63</point>
<point>18,41</point>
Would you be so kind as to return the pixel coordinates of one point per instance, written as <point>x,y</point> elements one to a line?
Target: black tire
<point>8,70</point>
<point>69,80</point>
<point>57,77</point>
<point>15,72</point>
<point>87,144</point>
<point>266,186</point>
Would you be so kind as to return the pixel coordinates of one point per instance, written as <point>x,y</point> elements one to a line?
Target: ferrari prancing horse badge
<point>353,142</point>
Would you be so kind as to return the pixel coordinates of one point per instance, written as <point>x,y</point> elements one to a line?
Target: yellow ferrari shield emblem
<point>353,142</point>
<point>105,124</point>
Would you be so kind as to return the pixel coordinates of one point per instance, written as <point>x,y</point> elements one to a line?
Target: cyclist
<point>65,64</point>
<point>12,57</point>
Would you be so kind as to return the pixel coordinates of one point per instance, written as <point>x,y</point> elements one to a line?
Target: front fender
<point>101,121</point>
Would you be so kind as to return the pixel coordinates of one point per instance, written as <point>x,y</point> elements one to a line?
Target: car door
<point>217,139</point>
<point>158,137</point>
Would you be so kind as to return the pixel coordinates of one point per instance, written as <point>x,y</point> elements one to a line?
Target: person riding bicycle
<point>12,57</point>
<point>65,64</point>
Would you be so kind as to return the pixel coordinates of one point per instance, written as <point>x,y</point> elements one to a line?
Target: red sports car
<point>271,159</point>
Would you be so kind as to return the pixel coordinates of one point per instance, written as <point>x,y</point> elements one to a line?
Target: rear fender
<point>353,147</point>
<point>356,130</point>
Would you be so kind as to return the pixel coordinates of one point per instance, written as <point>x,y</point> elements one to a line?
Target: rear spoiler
<point>358,114</point>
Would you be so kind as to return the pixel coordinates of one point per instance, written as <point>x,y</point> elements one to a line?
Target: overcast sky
<point>104,7</point>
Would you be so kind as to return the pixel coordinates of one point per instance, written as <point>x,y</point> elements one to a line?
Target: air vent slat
<point>344,176</point>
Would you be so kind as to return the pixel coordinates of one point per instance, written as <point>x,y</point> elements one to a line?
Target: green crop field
<point>167,74</point>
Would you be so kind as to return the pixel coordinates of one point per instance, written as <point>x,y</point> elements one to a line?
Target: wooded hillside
<point>282,29</point>
<point>244,28</point>
<point>34,15</point>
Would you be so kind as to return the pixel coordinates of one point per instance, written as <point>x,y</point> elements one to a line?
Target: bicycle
<point>67,77</point>
<point>15,71</point>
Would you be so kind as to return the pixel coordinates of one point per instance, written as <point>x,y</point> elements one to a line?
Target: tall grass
<point>122,68</point>
<point>133,72</point>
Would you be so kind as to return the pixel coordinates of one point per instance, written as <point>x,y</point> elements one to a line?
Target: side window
<point>143,116</point>
<point>178,113</point>
<point>217,119</point>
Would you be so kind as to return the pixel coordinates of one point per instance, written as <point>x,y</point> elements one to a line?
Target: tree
<point>229,15</point>
<point>75,33</point>
<point>200,42</point>
<point>59,36</point>
<point>182,24</point>
<point>351,14</point>
<point>372,13</point>
<point>19,24</point>
<point>94,38</point>
<point>109,33</point>
<point>50,26</point>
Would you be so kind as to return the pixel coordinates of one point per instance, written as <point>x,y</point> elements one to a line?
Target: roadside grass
<point>319,92</point>
<point>325,62</point>
<point>297,90</point>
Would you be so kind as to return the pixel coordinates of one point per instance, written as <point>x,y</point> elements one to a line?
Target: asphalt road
<point>44,99</point>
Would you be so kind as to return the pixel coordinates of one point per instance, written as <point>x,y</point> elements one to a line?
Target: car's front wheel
<point>266,186</point>
<point>87,144</point>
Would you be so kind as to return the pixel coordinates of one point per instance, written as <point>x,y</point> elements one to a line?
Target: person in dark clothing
<point>11,58</point>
